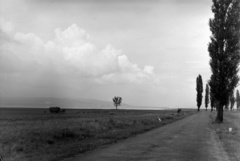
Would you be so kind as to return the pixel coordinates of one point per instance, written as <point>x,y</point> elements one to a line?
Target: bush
<point>179,110</point>
<point>168,117</point>
<point>64,134</point>
<point>54,109</point>
<point>50,141</point>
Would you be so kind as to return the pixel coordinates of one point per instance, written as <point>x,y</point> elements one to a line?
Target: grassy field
<point>31,134</point>
<point>230,140</point>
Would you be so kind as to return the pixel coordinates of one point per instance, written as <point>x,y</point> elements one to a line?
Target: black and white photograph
<point>119,80</point>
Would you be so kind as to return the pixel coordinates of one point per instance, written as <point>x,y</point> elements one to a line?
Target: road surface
<point>189,139</point>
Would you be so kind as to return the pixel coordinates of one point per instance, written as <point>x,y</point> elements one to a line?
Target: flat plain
<point>36,134</point>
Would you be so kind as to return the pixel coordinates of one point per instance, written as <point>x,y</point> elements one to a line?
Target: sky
<point>149,52</point>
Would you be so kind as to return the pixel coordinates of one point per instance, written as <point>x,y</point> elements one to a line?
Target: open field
<point>31,134</point>
<point>229,140</point>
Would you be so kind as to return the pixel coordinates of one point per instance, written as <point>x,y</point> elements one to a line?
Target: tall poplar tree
<point>224,51</point>
<point>199,89</point>
<point>206,96</point>
<point>212,100</point>
<point>238,99</point>
<point>232,101</point>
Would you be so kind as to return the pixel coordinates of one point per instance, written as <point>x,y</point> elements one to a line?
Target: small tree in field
<point>206,96</point>
<point>117,101</point>
<point>238,99</point>
<point>199,89</point>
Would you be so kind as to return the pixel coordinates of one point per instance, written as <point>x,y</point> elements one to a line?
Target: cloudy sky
<point>149,52</point>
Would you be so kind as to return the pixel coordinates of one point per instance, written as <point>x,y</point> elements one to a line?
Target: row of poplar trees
<point>210,99</point>
<point>224,51</point>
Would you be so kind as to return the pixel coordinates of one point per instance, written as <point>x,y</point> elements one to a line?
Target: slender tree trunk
<point>116,107</point>
<point>219,117</point>
<point>198,108</point>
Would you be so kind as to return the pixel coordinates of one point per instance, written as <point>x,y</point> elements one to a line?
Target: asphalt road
<point>189,139</point>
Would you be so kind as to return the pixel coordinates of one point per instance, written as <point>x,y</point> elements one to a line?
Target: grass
<point>31,134</point>
<point>229,140</point>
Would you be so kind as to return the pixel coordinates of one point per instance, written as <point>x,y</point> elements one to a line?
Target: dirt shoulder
<point>230,140</point>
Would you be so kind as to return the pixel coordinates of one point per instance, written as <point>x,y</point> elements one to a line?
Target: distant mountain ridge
<point>45,102</point>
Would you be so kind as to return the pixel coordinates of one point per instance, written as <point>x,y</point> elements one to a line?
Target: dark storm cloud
<point>95,1</point>
<point>132,6</point>
<point>112,2</point>
<point>128,6</point>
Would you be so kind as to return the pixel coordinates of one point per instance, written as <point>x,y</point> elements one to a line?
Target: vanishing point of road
<point>189,139</point>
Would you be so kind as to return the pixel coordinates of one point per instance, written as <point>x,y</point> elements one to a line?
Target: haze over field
<point>147,52</point>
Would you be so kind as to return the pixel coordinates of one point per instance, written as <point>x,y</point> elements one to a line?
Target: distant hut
<point>55,109</point>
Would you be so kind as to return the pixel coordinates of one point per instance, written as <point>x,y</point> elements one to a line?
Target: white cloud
<point>72,36</point>
<point>70,53</point>
<point>148,69</point>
